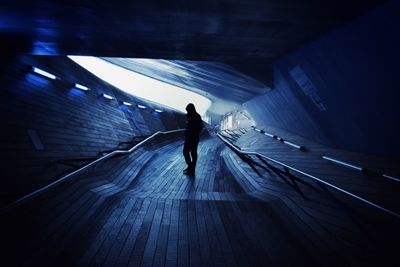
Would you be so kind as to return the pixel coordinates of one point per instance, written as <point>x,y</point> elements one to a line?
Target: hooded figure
<point>192,133</point>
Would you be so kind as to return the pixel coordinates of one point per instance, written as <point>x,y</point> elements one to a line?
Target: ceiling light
<point>79,86</point>
<point>43,73</point>
<point>107,96</point>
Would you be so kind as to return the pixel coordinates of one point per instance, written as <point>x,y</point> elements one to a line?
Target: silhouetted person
<point>192,133</point>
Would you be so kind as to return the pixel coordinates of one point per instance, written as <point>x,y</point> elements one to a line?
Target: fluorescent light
<point>158,110</point>
<point>292,145</point>
<point>44,73</point>
<point>391,177</point>
<point>343,163</point>
<point>141,106</point>
<point>79,86</point>
<point>107,96</point>
<point>126,103</point>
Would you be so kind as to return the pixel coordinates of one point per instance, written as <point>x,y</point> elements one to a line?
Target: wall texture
<point>342,89</point>
<point>45,121</point>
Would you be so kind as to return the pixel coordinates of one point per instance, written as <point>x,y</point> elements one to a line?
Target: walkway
<point>141,210</point>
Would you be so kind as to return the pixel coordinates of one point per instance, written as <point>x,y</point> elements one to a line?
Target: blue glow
<point>126,103</point>
<point>79,86</point>
<point>76,92</point>
<point>143,86</point>
<point>158,110</point>
<point>38,80</point>
<point>107,96</point>
<point>141,106</point>
<point>44,73</point>
<point>124,108</point>
<point>44,48</point>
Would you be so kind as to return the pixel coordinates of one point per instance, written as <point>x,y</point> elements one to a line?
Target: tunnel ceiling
<point>232,42</point>
<point>224,31</point>
<point>214,80</point>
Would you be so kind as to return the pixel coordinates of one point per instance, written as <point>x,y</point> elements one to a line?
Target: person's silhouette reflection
<point>192,133</point>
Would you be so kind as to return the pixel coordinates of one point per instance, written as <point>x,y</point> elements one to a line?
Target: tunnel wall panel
<point>351,72</point>
<point>68,123</point>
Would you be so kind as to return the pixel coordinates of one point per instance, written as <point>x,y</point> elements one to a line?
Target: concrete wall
<point>44,121</point>
<point>342,89</point>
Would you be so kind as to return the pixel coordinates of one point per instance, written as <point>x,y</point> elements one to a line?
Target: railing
<point>85,167</point>
<point>332,160</point>
<point>360,169</point>
<point>319,180</point>
<point>229,135</point>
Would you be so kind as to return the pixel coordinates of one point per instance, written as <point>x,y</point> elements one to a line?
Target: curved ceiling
<point>226,87</point>
<point>244,37</point>
<point>212,30</point>
<point>200,76</point>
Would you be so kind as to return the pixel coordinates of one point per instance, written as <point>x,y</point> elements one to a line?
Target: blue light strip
<point>158,110</point>
<point>338,162</point>
<point>268,134</point>
<point>302,148</point>
<point>126,103</point>
<point>44,73</point>
<point>292,145</point>
<point>391,177</point>
<point>108,96</point>
<point>79,86</point>
<point>141,106</point>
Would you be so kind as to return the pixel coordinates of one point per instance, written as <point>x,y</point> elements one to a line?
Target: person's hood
<point>191,110</point>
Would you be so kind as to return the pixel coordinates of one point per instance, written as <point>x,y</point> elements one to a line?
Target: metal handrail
<point>360,169</point>
<point>332,160</point>
<point>227,134</point>
<point>69,175</point>
<point>365,201</point>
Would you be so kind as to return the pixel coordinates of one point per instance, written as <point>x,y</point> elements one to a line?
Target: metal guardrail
<point>85,167</point>
<point>360,169</point>
<point>332,160</point>
<point>231,135</point>
<point>319,180</point>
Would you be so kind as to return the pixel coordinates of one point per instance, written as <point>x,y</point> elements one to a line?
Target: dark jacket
<point>193,127</point>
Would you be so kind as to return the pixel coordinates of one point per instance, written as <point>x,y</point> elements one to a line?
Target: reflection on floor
<point>142,210</point>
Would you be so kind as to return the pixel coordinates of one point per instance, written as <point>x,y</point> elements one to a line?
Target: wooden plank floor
<point>141,210</point>
<point>351,228</point>
<point>378,189</point>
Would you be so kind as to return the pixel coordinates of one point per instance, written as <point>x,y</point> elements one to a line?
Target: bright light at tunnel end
<point>142,86</point>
